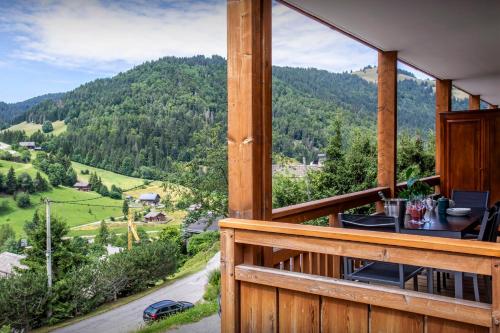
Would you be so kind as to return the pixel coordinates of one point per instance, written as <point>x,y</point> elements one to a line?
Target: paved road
<point>128,317</point>
<point>207,325</point>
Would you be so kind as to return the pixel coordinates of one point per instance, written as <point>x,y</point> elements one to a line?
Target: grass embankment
<point>30,128</point>
<point>192,265</point>
<point>205,308</point>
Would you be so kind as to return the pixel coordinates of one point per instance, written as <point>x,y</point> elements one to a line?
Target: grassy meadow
<point>30,128</point>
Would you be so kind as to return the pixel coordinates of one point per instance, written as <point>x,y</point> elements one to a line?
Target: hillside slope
<point>14,112</point>
<point>142,121</point>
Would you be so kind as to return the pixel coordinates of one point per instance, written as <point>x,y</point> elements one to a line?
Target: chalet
<point>281,275</point>
<point>82,186</point>
<point>155,217</point>
<point>28,144</point>
<point>151,199</point>
<point>9,262</point>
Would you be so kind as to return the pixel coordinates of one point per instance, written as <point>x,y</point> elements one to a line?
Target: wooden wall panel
<point>464,154</point>
<point>385,320</point>
<point>259,313</point>
<point>339,316</point>
<point>494,160</point>
<point>298,312</point>
<point>438,325</point>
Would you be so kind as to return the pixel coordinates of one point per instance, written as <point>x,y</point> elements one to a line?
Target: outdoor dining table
<point>449,227</point>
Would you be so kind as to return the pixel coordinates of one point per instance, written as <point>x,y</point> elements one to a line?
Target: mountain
<point>158,113</point>
<point>14,112</point>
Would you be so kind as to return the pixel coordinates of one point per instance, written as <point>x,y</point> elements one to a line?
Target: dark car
<point>164,309</point>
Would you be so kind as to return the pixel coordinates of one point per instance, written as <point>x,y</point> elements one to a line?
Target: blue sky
<point>56,45</point>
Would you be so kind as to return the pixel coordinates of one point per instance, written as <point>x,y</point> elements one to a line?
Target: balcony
<point>279,275</point>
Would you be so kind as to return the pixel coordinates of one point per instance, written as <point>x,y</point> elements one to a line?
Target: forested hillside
<point>144,120</point>
<point>14,112</point>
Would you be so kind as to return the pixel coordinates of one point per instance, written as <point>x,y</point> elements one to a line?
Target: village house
<point>9,262</point>
<point>28,144</point>
<point>151,199</point>
<point>82,186</point>
<point>155,217</point>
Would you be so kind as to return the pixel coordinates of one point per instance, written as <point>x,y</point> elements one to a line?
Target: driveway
<point>128,318</point>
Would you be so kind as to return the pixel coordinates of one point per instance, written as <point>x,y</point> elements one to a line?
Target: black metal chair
<point>470,199</point>
<point>376,271</point>
<point>488,232</point>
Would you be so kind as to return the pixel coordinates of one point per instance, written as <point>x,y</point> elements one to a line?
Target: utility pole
<point>49,243</point>
<point>48,253</point>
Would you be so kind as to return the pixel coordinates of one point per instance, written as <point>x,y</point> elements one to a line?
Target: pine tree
<point>125,208</point>
<point>40,184</point>
<point>102,237</point>
<point>11,182</point>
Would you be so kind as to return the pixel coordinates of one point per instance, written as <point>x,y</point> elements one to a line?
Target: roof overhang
<point>457,40</point>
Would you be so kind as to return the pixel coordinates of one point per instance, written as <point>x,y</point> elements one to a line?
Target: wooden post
<point>249,113</point>
<point>387,121</point>
<point>474,102</point>
<point>495,295</point>
<point>443,104</point>
<point>230,257</point>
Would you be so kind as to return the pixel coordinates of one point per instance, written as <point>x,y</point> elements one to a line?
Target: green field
<point>88,211</point>
<point>30,128</point>
<point>108,177</point>
<point>73,214</point>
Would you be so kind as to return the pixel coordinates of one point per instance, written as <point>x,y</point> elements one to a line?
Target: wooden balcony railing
<point>297,299</point>
<point>332,206</point>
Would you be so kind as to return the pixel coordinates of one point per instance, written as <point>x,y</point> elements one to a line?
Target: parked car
<point>164,309</point>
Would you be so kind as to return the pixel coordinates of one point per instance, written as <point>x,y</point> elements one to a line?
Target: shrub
<point>47,127</point>
<point>202,242</point>
<point>23,200</point>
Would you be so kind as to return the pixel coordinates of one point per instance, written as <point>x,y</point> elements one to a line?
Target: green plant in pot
<point>415,191</point>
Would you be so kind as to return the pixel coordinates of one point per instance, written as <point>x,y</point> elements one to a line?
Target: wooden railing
<point>296,299</point>
<point>332,206</point>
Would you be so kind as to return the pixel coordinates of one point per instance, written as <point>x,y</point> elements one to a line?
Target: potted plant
<point>415,191</point>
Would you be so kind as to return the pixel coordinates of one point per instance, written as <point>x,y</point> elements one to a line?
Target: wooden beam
<point>459,246</point>
<point>249,71</point>
<point>405,300</point>
<point>249,108</point>
<point>443,104</point>
<point>358,249</point>
<point>387,120</point>
<point>474,102</point>
<point>231,255</point>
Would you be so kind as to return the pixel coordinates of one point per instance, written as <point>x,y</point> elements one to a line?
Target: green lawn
<point>30,128</point>
<point>18,168</point>
<point>108,177</point>
<point>73,214</point>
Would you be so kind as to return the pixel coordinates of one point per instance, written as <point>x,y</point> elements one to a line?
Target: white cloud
<point>98,35</point>
<point>90,33</point>
<point>303,42</point>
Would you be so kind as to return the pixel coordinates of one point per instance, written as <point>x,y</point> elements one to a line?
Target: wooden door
<point>463,147</point>
<point>470,152</point>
